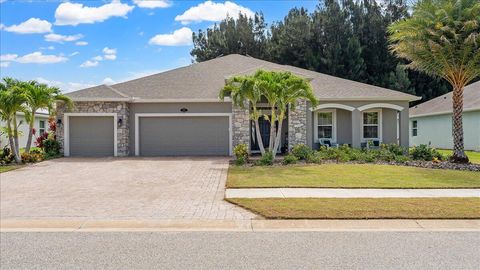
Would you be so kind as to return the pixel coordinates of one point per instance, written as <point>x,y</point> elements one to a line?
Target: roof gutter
<point>413,98</point>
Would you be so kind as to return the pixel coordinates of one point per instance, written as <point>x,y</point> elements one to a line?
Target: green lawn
<point>472,155</point>
<point>350,176</point>
<point>6,168</point>
<point>364,208</point>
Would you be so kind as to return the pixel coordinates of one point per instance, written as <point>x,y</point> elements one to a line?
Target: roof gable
<point>443,104</point>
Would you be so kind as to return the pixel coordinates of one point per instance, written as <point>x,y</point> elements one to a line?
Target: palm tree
<point>281,90</point>
<point>12,100</point>
<point>245,92</point>
<point>442,38</point>
<point>40,96</point>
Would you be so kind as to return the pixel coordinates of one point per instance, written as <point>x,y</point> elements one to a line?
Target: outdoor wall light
<point>184,110</point>
<point>59,121</point>
<point>120,121</point>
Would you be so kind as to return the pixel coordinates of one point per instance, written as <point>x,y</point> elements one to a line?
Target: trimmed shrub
<point>241,154</point>
<point>32,157</point>
<point>265,160</point>
<point>301,151</point>
<point>394,148</point>
<point>51,147</point>
<point>289,159</point>
<point>423,152</point>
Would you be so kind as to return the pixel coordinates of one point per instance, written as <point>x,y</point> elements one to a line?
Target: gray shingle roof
<point>97,92</point>
<point>204,81</point>
<point>443,104</point>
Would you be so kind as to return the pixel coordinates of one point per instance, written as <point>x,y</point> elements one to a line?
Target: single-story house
<point>41,126</point>
<point>431,121</point>
<point>178,112</point>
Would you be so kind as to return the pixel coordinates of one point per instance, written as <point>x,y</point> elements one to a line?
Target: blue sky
<point>76,44</point>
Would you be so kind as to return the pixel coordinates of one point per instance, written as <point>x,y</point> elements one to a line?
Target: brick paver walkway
<point>119,188</point>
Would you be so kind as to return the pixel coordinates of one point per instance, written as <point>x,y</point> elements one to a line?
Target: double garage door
<point>157,136</point>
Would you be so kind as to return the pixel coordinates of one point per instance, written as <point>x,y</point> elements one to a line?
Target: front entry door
<point>264,131</point>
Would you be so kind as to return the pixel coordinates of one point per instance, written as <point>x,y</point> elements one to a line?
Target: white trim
<point>380,105</point>
<point>173,100</point>
<point>142,100</point>
<point>137,126</point>
<point>413,98</point>
<point>444,112</point>
<point>333,105</point>
<point>380,125</point>
<point>66,131</point>
<point>334,125</point>
<point>100,99</point>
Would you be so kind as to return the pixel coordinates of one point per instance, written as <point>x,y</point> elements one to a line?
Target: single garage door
<point>91,135</point>
<point>184,136</point>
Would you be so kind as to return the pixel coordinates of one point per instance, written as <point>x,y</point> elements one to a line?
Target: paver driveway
<point>119,188</point>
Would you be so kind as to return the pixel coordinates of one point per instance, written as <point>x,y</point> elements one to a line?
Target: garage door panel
<point>184,136</point>
<point>91,135</point>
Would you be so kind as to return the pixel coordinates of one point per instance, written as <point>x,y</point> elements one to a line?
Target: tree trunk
<point>272,129</point>
<point>278,136</point>
<point>259,137</point>
<point>16,148</point>
<point>30,133</point>
<point>10,139</point>
<point>459,155</point>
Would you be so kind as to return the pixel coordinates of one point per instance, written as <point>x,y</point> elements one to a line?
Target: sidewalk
<point>239,225</point>
<point>347,193</point>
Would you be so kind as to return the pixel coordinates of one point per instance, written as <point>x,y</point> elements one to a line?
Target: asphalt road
<point>241,250</point>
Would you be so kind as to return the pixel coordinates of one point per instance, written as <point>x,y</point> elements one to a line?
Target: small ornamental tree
<point>442,38</point>
<point>282,90</point>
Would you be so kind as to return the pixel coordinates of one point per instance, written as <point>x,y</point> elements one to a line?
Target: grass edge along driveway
<point>349,176</point>
<point>362,208</point>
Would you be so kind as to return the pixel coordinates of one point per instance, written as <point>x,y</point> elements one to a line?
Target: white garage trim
<point>380,105</point>
<point>66,132</point>
<point>137,126</point>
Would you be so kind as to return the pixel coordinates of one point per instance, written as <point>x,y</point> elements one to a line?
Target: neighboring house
<point>178,112</point>
<point>431,121</point>
<point>41,126</point>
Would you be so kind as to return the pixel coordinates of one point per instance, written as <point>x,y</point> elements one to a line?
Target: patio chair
<point>327,143</point>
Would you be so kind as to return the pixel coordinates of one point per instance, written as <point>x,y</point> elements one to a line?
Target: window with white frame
<point>41,127</point>
<point>325,125</point>
<point>371,125</point>
<point>414,128</point>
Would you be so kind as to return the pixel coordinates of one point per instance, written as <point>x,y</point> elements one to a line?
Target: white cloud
<point>108,81</point>
<point>81,43</point>
<point>74,53</point>
<point>180,37</point>
<point>110,56</point>
<point>107,50</point>
<point>213,12</point>
<point>4,64</point>
<point>75,14</point>
<point>64,86</point>
<point>35,58</point>
<point>8,57</point>
<point>30,26</point>
<point>152,3</point>
<point>61,38</point>
<point>89,63</point>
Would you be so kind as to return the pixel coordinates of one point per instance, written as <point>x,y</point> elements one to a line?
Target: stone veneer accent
<point>240,125</point>
<point>121,108</point>
<point>297,124</point>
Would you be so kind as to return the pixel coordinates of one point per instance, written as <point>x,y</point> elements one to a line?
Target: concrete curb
<point>348,193</point>
<point>235,225</point>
